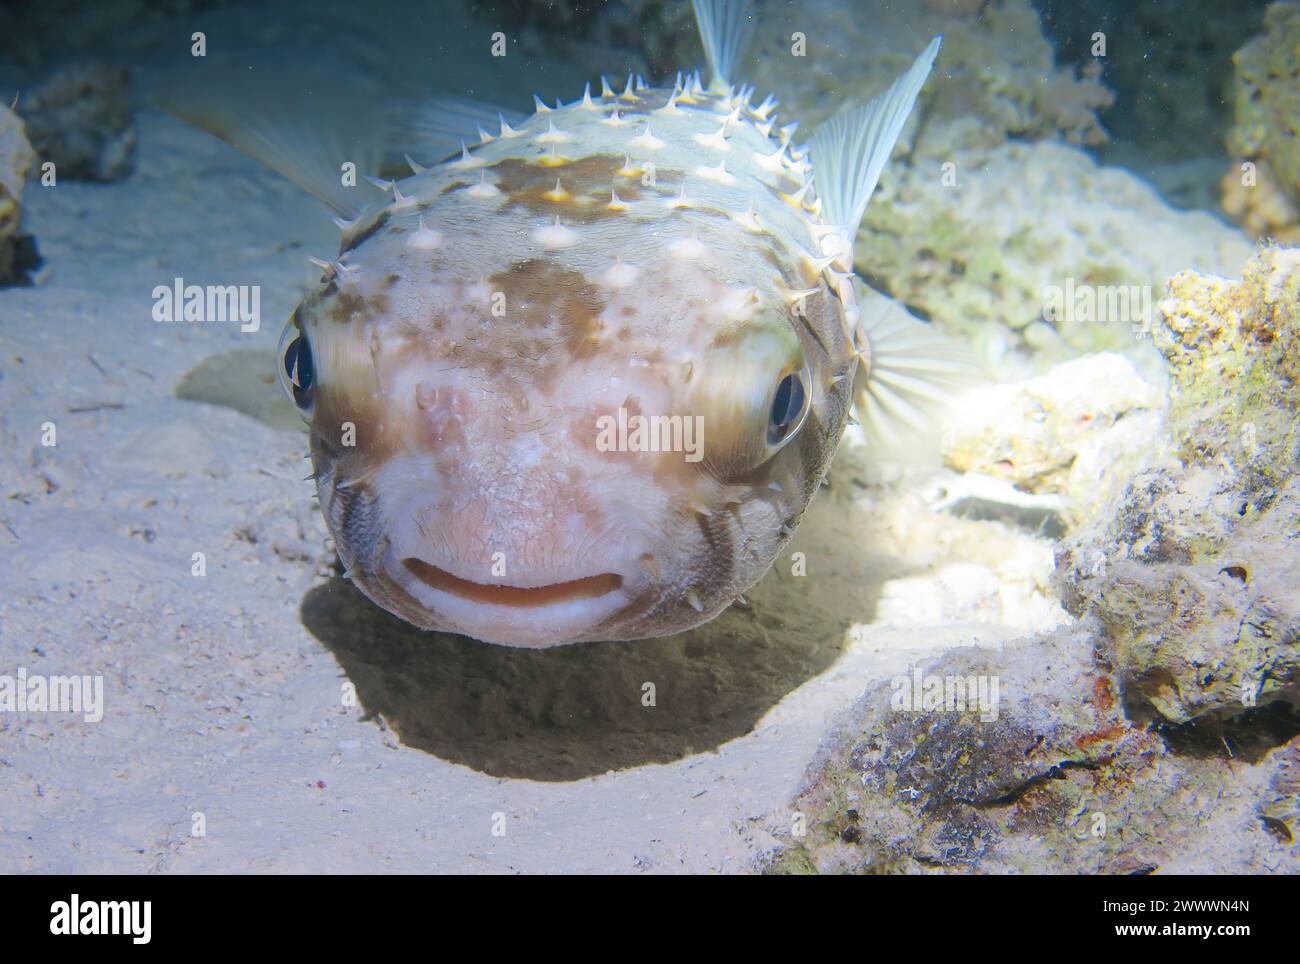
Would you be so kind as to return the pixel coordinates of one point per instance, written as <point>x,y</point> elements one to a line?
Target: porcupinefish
<point>580,380</point>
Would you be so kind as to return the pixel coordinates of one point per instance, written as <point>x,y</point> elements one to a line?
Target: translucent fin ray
<point>433,129</point>
<point>908,376</point>
<point>724,26</point>
<point>850,149</point>
<point>301,125</point>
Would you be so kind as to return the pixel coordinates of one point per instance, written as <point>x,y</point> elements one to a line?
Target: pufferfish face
<point>540,456</point>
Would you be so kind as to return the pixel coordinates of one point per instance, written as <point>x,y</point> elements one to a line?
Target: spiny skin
<point>655,251</point>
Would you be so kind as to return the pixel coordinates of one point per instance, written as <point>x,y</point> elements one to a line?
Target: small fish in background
<point>580,380</point>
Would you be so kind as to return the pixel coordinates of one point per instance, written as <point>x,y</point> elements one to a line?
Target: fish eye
<point>789,406</point>
<point>297,372</point>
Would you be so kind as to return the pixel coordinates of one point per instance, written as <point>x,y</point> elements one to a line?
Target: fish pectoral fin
<point>724,26</point>
<point>851,148</point>
<point>908,376</point>
<point>303,125</point>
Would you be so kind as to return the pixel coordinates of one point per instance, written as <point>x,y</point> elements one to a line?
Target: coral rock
<point>1187,604</point>
<point>1000,75</point>
<point>1194,579</point>
<point>81,120</point>
<point>1268,96</point>
<point>1057,780</point>
<point>1254,198</point>
<point>1019,221</point>
<point>1078,430</point>
<point>16,157</point>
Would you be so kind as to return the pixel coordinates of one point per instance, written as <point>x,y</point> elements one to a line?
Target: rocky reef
<point>1156,730</point>
<point>80,120</point>
<point>1253,196</point>
<point>1282,812</point>
<point>1000,75</point>
<point>1193,578</point>
<point>1070,437</point>
<point>16,156</point>
<point>1265,197</point>
<point>977,239</point>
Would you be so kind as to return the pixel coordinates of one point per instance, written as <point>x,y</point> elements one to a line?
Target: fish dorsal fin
<point>724,26</point>
<point>300,125</point>
<point>850,150</point>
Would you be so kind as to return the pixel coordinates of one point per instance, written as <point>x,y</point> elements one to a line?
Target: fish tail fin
<point>303,126</point>
<point>850,149</point>
<point>724,26</point>
<point>908,376</point>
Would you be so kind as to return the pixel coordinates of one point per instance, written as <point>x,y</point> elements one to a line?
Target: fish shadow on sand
<point>576,711</point>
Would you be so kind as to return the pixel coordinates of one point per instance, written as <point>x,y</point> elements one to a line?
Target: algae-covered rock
<point>915,785</point>
<point>1033,245</point>
<point>1267,95</point>
<point>1281,808</point>
<point>1055,779</point>
<point>1092,748</point>
<point>16,156</point>
<point>1195,579</point>
<point>996,76</point>
<point>1233,349</point>
<point>1252,195</point>
<point>1079,431</point>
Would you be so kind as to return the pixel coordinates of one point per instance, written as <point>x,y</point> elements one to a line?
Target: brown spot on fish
<point>349,304</point>
<point>542,294</point>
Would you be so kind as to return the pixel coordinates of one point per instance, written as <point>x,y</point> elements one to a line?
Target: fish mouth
<point>517,597</point>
